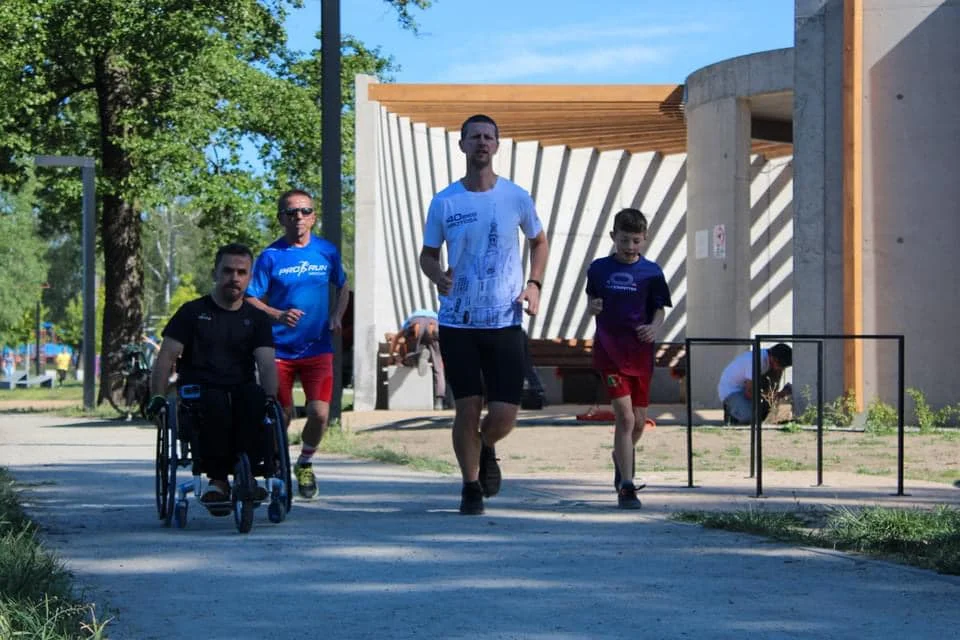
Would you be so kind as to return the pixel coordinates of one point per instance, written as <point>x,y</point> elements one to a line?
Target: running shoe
<point>490,476</point>
<point>306,481</point>
<point>627,497</point>
<point>637,482</point>
<point>471,499</point>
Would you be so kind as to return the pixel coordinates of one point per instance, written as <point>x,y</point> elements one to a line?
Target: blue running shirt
<point>289,277</point>
<point>480,229</point>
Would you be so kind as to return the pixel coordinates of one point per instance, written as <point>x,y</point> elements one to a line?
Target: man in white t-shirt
<point>481,302</point>
<point>736,382</point>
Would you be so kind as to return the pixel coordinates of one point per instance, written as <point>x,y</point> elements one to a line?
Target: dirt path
<point>555,443</point>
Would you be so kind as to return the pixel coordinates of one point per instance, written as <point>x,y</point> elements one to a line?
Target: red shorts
<point>316,376</point>
<point>619,385</point>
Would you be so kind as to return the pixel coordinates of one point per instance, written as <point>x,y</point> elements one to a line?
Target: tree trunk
<point>120,229</point>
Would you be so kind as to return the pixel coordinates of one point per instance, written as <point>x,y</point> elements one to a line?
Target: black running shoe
<point>637,482</point>
<point>489,471</point>
<point>627,497</point>
<point>471,499</point>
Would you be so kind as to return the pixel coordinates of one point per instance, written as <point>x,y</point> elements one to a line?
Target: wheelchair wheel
<point>242,495</point>
<point>281,460</point>
<point>165,477</point>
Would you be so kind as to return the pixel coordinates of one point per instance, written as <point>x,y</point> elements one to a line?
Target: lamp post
<point>331,102</point>
<point>88,174</point>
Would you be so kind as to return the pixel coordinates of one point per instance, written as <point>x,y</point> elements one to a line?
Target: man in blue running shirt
<point>292,281</point>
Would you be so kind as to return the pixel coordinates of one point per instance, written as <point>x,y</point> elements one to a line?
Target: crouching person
<point>221,342</point>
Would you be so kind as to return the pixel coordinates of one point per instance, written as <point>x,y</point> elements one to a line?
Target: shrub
<point>927,419</point>
<point>881,417</point>
<point>841,411</point>
<point>809,414</point>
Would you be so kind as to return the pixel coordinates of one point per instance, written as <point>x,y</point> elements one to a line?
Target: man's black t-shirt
<point>218,344</point>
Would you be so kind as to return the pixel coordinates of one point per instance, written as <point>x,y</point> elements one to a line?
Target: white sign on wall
<point>719,241</point>
<point>701,244</point>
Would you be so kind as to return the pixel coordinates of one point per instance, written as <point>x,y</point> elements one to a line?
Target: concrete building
<point>876,84</point>
<point>801,190</point>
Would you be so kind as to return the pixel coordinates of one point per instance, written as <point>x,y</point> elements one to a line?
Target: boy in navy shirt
<point>628,294</point>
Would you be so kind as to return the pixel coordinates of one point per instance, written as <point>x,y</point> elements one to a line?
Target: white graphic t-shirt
<point>480,229</point>
<point>740,369</point>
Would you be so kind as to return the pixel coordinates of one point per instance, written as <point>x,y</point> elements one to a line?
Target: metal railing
<point>756,437</point>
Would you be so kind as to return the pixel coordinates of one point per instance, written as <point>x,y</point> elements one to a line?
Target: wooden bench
<point>572,360</point>
<point>578,354</point>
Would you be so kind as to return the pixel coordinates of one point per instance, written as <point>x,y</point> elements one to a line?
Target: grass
<point>343,441</point>
<point>71,390</point>
<point>922,538</point>
<point>36,598</point>
<point>867,471</point>
<point>784,464</point>
<point>947,476</point>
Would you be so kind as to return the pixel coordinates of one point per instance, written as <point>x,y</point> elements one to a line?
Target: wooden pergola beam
<point>634,118</point>
<point>476,93</point>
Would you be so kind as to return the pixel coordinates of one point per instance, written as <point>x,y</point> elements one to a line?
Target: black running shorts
<point>478,359</point>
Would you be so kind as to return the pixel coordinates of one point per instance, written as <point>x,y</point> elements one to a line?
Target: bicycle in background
<point>133,379</point>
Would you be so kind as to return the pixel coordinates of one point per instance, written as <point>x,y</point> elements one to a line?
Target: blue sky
<point>559,41</point>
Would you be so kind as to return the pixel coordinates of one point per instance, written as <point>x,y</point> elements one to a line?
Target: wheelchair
<point>178,448</point>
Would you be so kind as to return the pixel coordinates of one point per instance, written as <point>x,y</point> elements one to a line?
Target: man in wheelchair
<point>221,341</point>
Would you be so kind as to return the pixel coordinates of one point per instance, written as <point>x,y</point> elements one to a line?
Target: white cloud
<point>568,49</point>
<point>569,34</point>
<point>529,63</point>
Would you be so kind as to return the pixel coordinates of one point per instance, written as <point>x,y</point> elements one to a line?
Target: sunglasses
<point>303,211</point>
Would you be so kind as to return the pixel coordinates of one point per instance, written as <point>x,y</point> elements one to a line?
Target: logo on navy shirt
<point>305,266</point>
<point>621,281</point>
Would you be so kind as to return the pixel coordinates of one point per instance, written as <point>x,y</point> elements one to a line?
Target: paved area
<point>383,553</point>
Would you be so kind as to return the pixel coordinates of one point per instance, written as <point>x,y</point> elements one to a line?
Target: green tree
<point>70,329</point>
<point>166,95</point>
<point>64,258</point>
<point>23,270</point>
<point>185,292</point>
<point>174,247</point>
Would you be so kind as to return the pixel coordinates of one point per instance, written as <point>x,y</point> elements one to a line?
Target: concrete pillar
<point>910,193</point>
<point>371,296</point>
<point>718,269</point>
<point>818,190</point>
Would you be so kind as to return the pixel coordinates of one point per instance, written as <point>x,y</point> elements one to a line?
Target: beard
<point>230,293</point>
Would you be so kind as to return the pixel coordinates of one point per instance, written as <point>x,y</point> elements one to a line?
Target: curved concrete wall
<point>739,214</point>
<point>401,164</point>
